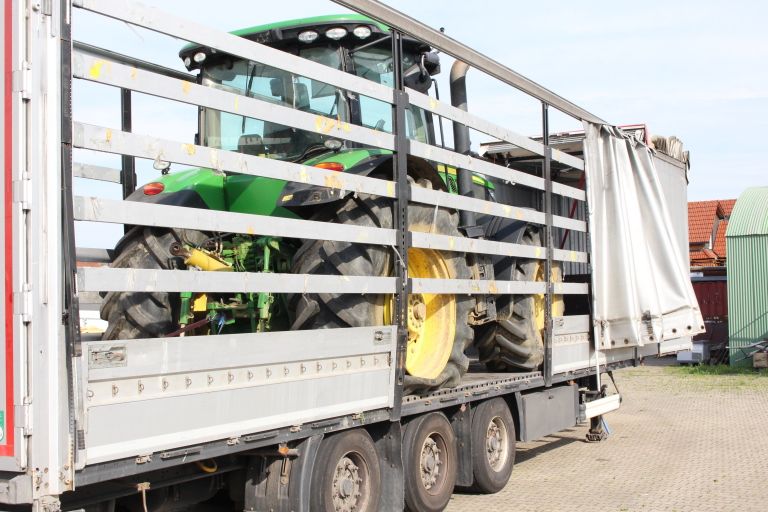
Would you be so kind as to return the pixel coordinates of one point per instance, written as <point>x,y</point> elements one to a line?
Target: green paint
<point>301,22</point>
<point>3,426</point>
<point>206,182</point>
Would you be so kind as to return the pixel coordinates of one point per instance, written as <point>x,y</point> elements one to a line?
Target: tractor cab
<point>351,43</point>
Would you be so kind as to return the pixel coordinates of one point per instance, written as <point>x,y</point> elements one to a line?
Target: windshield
<point>246,135</point>
<point>234,132</point>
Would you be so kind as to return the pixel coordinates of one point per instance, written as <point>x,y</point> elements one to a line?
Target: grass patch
<point>717,369</point>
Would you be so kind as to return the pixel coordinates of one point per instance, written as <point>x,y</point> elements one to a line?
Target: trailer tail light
<point>152,189</point>
<point>331,166</point>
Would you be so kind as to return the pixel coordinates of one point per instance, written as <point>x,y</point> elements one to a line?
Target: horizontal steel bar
<point>448,200</point>
<point>477,246</point>
<point>144,214</point>
<point>472,287</point>
<point>97,172</point>
<point>167,23</point>
<point>100,70</point>
<point>98,138</point>
<point>477,60</point>
<point>143,280</point>
<point>477,123</point>
<point>477,165</point>
<point>137,63</point>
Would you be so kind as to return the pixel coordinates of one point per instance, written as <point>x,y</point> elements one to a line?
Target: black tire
<point>493,446</point>
<point>144,314</point>
<point>341,460</point>
<point>328,310</point>
<point>513,342</point>
<point>430,470</point>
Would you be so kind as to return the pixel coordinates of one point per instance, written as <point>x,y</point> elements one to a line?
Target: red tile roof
<point>727,205</point>
<point>719,245</point>
<point>703,258</point>
<point>702,216</point>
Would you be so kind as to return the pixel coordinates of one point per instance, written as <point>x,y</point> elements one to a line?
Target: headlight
<point>308,36</point>
<point>199,57</point>
<point>362,32</point>
<point>335,33</point>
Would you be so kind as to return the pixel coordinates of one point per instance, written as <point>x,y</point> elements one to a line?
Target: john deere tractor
<point>441,328</point>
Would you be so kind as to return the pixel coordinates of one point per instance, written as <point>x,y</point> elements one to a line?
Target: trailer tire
<point>514,341</point>
<point>493,445</point>
<point>346,474</point>
<point>144,314</point>
<point>442,368</point>
<point>430,462</point>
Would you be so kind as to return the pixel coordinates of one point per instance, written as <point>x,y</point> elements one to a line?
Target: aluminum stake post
<point>400,176</point>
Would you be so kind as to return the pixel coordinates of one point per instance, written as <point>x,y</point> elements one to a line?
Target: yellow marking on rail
<point>237,103</point>
<point>333,181</point>
<point>573,256</point>
<point>538,252</point>
<point>390,188</point>
<point>186,86</point>
<point>134,72</point>
<point>97,68</point>
<point>432,104</point>
<point>108,135</point>
<point>303,175</point>
<point>492,288</point>
<point>190,149</point>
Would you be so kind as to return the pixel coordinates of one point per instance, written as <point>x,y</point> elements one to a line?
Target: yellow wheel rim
<point>539,301</point>
<point>431,317</point>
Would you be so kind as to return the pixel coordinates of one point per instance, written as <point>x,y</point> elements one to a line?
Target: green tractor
<point>441,328</point>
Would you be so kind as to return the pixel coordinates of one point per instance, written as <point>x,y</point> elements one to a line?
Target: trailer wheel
<point>515,341</point>
<point>347,476</point>
<point>429,462</point>
<point>438,324</point>
<point>144,314</point>
<point>493,445</point>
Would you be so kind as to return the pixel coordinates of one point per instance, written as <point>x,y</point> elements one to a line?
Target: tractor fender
<point>301,197</point>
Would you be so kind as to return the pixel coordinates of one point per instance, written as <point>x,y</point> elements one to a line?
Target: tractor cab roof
<point>284,34</point>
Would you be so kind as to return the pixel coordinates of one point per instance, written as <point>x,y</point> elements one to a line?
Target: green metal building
<point>747,249</point>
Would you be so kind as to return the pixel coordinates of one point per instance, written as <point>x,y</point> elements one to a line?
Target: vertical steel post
<point>129,163</point>
<point>400,176</point>
<point>547,171</point>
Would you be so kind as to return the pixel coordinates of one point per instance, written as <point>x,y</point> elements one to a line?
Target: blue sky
<point>696,70</point>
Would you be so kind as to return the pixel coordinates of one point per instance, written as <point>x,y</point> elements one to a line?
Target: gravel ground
<point>683,440</point>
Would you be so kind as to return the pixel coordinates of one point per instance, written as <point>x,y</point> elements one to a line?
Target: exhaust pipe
<point>461,142</point>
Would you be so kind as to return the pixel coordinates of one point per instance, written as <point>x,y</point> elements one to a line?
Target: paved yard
<point>681,442</point>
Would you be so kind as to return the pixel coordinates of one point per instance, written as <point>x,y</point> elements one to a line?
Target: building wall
<point>747,293</point>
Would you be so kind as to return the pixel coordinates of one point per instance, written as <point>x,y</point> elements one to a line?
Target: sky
<point>696,70</point>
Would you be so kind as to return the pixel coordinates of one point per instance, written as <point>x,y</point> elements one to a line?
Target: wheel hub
<point>346,485</point>
<point>495,443</point>
<point>430,463</point>
<point>417,313</point>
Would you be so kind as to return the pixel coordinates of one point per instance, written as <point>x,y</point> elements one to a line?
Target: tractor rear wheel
<point>438,328</point>
<point>515,341</point>
<point>144,314</point>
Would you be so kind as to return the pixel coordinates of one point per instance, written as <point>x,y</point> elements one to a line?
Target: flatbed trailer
<point>166,423</point>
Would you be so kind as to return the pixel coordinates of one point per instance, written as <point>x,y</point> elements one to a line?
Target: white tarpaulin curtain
<point>642,289</point>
